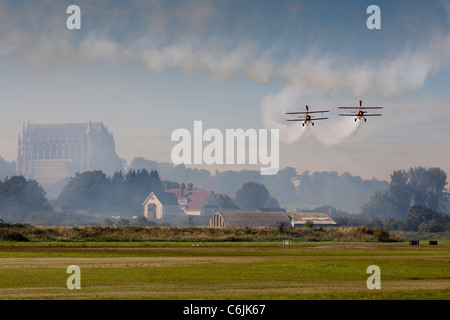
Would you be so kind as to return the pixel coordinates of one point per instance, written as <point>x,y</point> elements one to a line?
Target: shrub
<point>431,226</point>
<point>309,224</point>
<point>381,235</point>
<point>9,235</point>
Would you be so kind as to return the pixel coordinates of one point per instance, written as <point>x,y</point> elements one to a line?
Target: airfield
<point>241,270</point>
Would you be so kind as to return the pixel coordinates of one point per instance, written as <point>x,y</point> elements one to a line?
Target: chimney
<point>182,190</point>
<point>190,186</point>
<point>166,185</point>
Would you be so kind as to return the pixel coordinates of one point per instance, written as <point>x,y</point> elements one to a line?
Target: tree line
<point>414,200</point>
<point>288,186</point>
<point>121,193</point>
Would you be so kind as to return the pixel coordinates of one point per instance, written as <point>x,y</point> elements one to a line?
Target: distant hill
<point>290,188</point>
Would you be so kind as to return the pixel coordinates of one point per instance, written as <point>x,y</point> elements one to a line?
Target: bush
<point>431,226</point>
<point>9,235</point>
<point>309,224</point>
<point>381,235</point>
<point>123,223</point>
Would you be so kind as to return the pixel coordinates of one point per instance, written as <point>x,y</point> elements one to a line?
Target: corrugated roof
<point>254,219</point>
<point>317,218</point>
<point>261,219</point>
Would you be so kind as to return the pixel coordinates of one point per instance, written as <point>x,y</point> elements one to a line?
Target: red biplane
<point>360,112</point>
<point>308,118</point>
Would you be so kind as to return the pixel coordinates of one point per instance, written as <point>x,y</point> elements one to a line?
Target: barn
<point>263,219</point>
<point>318,219</point>
<point>256,219</point>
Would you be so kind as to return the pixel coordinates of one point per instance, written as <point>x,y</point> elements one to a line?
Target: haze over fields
<point>148,68</point>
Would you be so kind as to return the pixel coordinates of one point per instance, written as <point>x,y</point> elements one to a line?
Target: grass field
<point>223,270</point>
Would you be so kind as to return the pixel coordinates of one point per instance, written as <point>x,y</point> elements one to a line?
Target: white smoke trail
<point>335,132</point>
<point>274,108</point>
<point>183,36</point>
<point>326,133</point>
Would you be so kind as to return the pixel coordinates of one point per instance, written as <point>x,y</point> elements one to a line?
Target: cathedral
<point>49,152</point>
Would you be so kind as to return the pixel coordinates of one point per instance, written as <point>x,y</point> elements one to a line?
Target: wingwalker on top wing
<point>361,112</point>
<point>308,118</point>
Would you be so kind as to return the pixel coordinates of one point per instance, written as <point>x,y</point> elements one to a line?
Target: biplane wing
<point>365,114</point>
<point>362,108</point>
<point>307,112</point>
<point>302,119</point>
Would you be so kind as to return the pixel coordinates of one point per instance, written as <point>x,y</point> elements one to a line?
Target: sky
<point>147,68</point>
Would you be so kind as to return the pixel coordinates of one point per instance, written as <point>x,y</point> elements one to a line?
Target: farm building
<point>249,219</point>
<point>318,219</point>
<point>262,219</point>
<point>185,201</point>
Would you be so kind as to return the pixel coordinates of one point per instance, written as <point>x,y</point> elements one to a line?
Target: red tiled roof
<point>196,198</point>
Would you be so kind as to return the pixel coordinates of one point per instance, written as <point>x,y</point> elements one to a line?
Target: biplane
<point>361,112</point>
<point>307,117</point>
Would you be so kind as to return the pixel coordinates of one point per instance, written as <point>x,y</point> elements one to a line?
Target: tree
<point>19,197</point>
<point>141,221</point>
<point>419,214</point>
<point>252,196</point>
<point>138,184</point>
<point>431,226</point>
<point>417,186</point>
<point>271,203</point>
<point>123,223</point>
<point>86,191</point>
<point>333,189</point>
<point>400,191</point>
<point>381,204</point>
<point>7,169</point>
<point>108,222</point>
<point>428,186</point>
<point>375,223</point>
<point>391,224</point>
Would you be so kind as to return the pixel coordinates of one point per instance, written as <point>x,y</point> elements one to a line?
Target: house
<point>267,219</point>
<point>161,204</point>
<point>195,202</point>
<point>185,201</point>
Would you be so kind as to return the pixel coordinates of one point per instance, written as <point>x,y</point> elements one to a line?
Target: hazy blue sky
<point>146,68</point>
